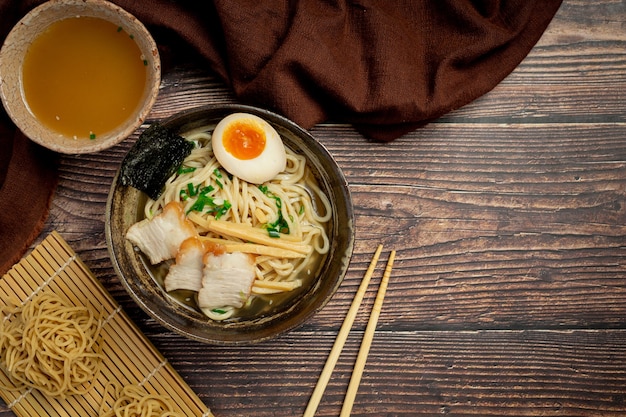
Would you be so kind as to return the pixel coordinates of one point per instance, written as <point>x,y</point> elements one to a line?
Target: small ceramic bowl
<point>29,28</point>
<point>125,207</point>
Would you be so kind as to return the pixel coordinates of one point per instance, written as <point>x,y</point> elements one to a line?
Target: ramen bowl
<point>125,207</point>
<point>74,100</point>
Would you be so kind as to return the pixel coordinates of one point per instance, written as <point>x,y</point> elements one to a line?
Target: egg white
<point>271,161</point>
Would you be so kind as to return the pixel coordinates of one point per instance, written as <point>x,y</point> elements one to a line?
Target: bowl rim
<point>343,237</point>
<point>11,91</point>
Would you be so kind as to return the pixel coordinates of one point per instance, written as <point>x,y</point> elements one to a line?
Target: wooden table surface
<point>508,295</point>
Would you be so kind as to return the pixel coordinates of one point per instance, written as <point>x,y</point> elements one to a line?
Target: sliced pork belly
<point>227,280</point>
<point>160,237</point>
<point>186,273</point>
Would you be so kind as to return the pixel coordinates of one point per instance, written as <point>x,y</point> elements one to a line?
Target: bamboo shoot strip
<point>341,338</point>
<point>254,249</point>
<point>368,336</point>
<point>249,234</point>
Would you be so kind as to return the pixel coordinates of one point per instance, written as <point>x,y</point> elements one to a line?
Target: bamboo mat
<point>130,357</point>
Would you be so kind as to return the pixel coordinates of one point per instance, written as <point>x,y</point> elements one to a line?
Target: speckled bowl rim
<point>12,55</point>
<point>121,212</point>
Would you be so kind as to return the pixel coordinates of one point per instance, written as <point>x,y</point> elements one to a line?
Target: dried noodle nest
<point>50,345</point>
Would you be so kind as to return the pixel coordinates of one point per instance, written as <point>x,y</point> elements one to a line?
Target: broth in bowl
<point>84,76</point>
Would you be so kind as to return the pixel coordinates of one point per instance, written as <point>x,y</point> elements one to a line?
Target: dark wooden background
<point>508,295</point>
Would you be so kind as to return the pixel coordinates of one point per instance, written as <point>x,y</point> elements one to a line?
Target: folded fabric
<point>387,67</point>
<point>28,177</point>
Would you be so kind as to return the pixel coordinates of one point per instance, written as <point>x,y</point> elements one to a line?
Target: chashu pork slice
<point>160,237</point>
<point>186,273</point>
<point>227,280</point>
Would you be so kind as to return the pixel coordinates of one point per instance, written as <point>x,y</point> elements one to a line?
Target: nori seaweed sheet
<point>156,155</point>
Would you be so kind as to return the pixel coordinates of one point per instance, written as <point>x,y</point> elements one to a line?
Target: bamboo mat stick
<point>368,336</point>
<point>131,358</point>
<point>341,338</point>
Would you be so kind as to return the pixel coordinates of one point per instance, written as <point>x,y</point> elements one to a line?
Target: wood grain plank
<point>508,295</point>
<point>482,373</point>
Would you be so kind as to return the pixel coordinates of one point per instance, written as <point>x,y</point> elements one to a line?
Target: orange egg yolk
<point>244,140</point>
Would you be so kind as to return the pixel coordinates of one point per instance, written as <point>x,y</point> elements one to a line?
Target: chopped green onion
<point>280,225</point>
<point>92,135</point>
<point>220,211</point>
<point>119,29</point>
<point>205,202</point>
<point>189,191</point>
<point>198,205</point>
<point>206,190</point>
<point>218,175</point>
<point>185,170</point>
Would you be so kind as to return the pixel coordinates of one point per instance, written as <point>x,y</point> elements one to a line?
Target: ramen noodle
<point>282,222</point>
<point>133,401</point>
<point>50,345</point>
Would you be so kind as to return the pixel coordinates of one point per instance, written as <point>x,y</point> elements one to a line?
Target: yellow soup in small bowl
<point>69,72</point>
<point>79,76</point>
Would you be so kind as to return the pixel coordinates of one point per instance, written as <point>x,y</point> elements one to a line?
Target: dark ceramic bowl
<point>124,208</point>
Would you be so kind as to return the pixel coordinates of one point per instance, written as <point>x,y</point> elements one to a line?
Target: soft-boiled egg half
<point>248,147</point>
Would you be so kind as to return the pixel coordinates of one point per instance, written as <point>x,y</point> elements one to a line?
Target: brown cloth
<point>387,67</point>
<point>28,176</point>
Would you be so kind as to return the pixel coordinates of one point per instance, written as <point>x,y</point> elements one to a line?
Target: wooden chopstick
<point>368,336</point>
<point>341,338</point>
